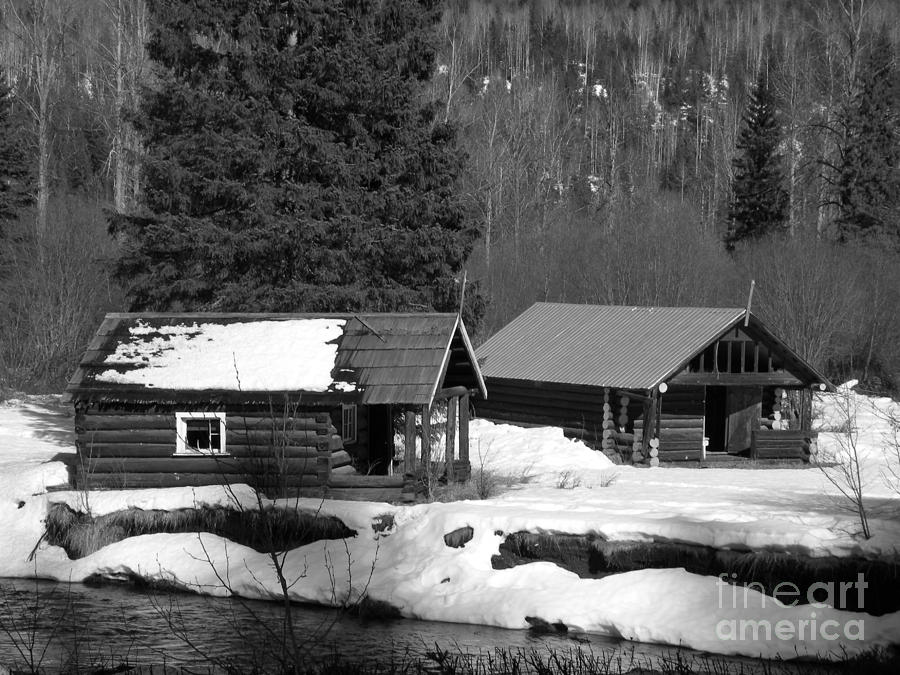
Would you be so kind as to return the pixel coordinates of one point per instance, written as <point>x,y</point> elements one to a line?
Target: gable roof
<point>613,345</point>
<point>364,358</point>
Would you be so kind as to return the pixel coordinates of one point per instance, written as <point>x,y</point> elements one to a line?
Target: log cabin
<point>654,384</point>
<point>280,400</point>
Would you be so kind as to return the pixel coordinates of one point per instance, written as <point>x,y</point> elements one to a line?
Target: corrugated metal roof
<point>391,358</point>
<point>602,345</point>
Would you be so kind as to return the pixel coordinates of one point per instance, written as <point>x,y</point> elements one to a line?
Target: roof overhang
<point>801,373</point>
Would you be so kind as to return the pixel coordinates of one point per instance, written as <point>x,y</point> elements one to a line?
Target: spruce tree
<point>759,203</point>
<point>868,181</point>
<point>14,169</point>
<point>291,163</point>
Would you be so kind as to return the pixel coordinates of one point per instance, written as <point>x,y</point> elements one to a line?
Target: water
<point>54,626</point>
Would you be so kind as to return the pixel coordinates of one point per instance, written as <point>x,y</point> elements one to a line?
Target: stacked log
<point>783,444</point>
<point>680,438</point>
<point>125,449</point>
<point>608,425</point>
<point>637,455</point>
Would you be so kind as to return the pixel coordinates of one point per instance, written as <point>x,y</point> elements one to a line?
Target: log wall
<point>577,409</point>
<point>121,447</point>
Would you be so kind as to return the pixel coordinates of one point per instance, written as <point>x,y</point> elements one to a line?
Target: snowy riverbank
<point>559,486</point>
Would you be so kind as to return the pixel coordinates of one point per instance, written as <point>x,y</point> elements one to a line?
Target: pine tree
<point>759,204</point>
<point>868,181</point>
<point>291,164</point>
<point>14,170</point>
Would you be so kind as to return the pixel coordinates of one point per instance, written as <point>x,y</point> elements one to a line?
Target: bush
<point>53,292</point>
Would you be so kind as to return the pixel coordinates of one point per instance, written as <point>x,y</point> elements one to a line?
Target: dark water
<point>50,626</point>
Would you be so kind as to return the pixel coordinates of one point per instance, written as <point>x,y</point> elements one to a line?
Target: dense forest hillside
<point>643,152</point>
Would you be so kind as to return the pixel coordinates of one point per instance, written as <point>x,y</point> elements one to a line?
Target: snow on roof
<point>292,355</point>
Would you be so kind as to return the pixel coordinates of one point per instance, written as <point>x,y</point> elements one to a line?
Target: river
<point>50,627</point>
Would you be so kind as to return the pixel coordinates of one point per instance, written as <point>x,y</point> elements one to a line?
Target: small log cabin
<point>281,400</point>
<point>652,384</point>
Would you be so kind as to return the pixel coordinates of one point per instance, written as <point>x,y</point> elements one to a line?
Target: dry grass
<point>274,529</point>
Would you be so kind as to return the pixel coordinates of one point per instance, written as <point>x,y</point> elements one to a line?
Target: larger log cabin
<point>277,399</point>
<point>651,384</point>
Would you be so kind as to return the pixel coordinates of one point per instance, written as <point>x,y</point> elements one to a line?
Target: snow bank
<point>867,425</point>
<point>410,566</point>
<point>296,355</point>
<point>542,455</point>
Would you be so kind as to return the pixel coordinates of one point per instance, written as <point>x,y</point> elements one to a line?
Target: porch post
<point>450,452</point>
<point>426,438</point>
<point>464,434</point>
<point>409,449</point>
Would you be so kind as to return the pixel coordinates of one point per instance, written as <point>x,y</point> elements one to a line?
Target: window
<point>348,422</point>
<point>200,433</point>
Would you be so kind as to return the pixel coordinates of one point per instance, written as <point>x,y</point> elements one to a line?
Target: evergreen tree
<point>759,203</point>
<point>291,163</point>
<point>868,181</point>
<point>14,170</point>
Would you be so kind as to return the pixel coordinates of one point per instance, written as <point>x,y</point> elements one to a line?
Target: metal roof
<point>602,345</point>
<point>389,358</point>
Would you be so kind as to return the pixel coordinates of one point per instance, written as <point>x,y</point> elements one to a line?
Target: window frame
<point>181,447</point>
<point>349,423</point>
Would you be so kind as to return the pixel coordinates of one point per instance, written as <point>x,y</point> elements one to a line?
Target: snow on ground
<point>564,487</point>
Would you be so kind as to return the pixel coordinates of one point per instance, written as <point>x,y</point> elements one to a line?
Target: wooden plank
<point>738,379</point>
<point>154,480</point>
<point>409,440</point>
<point>547,404</point>
<point>650,422</point>
<point>681,445</point>
<point>351,481</point>
<point>681,434</point>
<point>232,436</point>
<point>450,436</point>
<point>685,455</point>
<point>426,437</point>
<point>268,437</point>
<point>781,453</point>
<point>389,495</point>
<point>109,420</point>
<point>787,433</point>
<point>590,396</point>
<point>224,465</point>
<point>127,423</point>
<point>668,422</point>
<point>464,429</point>
<point>538,419</point>
<point>89,449</point>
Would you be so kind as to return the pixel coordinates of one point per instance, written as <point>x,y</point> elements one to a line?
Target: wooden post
<point>426,439</point>
<point>464,431</point>
<point>649,423</point>
<point>450,453</point>
<point>658,412</point>
<point>409,442</point>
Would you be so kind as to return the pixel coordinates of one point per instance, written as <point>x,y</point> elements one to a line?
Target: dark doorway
<point>744,407</point>
<point>715,418</point>
<point>381,439</point>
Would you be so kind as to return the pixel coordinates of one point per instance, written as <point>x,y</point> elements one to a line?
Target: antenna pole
<point>749,302</point>
<point>462,292</point>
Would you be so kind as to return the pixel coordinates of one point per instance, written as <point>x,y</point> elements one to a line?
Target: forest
<point>641,152</point>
